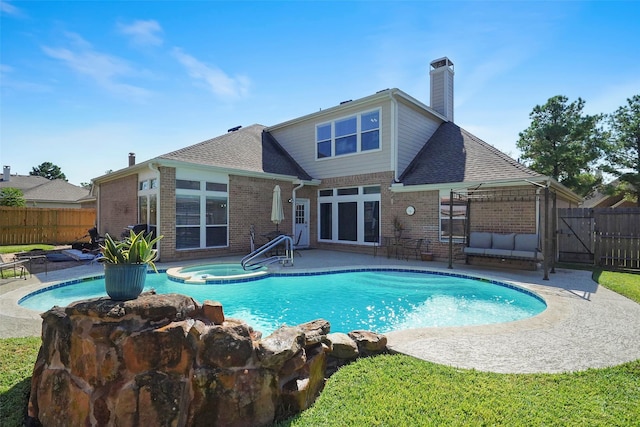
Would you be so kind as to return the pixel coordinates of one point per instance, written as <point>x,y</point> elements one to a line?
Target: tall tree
<point>623,158</point>
<point>48,170</point>
<point>10,196</point>
<point>564,143</point>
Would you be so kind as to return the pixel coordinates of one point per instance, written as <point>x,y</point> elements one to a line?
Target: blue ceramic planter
<point>124,281</point>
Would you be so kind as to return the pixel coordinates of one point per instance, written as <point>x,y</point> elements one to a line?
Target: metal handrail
<point>249,261</point>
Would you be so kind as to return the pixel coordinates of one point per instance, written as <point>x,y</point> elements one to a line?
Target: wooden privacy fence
<point>617,250</point>
<point>24,226</point>
<point>606,237</point>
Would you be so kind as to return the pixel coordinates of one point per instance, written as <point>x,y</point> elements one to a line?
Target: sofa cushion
<point>503,253</point>
<point>502,241</point>
<point>474,251</point>
<point>526,254</point>
<point>526,242</point>
<point>479,239</point>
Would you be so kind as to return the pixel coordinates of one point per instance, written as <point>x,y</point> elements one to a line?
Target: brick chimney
<point>132,159</point>
<point>441,74</point>
<point>6,173</point>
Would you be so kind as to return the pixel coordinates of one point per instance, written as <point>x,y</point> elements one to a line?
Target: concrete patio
<point>584,326</point>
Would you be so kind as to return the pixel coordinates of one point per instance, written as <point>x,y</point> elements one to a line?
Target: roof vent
<point>234,129</point>
<point>344,102</point>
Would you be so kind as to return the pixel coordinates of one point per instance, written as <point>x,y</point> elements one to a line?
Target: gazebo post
<point>547,227</point>
<point>554,229</point>
<point>450,228</point>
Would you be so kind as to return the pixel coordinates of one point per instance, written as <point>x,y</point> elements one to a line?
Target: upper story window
<point>348,135</point>
<point>148,184</point>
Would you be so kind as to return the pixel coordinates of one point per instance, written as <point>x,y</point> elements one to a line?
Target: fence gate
<point>575,235</point>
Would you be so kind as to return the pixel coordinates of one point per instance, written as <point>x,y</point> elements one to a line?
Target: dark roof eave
<point>159,161</point>
<point>541,181</point>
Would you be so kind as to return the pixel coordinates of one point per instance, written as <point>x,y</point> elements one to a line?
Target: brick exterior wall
<point>503,216</point>
<point>167,210</point>
<point>250,205</point>
<point>118,205</point>
<point>516,215</point>
<point>423,224</point>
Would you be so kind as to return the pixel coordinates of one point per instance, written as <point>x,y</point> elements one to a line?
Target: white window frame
<point>360,199</point>
<point>203,194</point>
<point>147,187</point>
<point>444,215</point>
<point>358,134</point>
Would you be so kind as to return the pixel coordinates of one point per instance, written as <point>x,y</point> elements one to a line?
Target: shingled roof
<point>246,149</point>
<point>23,182</point>
<point>57,190</point>
<point>40,189</point>
<point>454,155</point>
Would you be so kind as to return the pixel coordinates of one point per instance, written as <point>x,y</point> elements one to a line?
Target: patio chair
<point>412,245</point>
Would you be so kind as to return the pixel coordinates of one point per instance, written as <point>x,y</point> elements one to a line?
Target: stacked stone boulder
<point>166,360</point>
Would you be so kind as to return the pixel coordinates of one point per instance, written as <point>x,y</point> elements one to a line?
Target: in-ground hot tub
<point>214,273</point>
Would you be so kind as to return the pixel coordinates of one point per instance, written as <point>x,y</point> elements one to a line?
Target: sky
<point>84,83</point>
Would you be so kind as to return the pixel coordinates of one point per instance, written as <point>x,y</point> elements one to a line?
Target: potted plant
<point>425,255</point>
<point>397,227</point>
<point>126,264</point>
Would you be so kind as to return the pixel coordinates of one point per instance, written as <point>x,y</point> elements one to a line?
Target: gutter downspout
<point>394,135</point>
<point>95,192</point>
<point>293,209</point>
<point>158,210</point>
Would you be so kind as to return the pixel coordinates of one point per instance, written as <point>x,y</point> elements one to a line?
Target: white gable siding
<point>415,127</point>
<point>299,139</point>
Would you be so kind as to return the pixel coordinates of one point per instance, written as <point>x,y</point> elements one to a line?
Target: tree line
<point>577,149</point>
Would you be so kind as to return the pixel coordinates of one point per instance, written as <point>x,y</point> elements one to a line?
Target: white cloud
<point>143,33</point>
<point>9,9</point>
<point>215,79</point>
<point>104,69</point>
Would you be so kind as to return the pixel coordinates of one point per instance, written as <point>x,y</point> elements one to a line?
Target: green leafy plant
<point>134,249</point>
<point>10,196</point>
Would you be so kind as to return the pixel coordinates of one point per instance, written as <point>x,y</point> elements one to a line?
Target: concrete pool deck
<point>584,326</point>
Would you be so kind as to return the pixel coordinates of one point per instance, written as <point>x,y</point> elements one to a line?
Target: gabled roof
<point>600,199</point>
<point>57,190</point>
<point>41,189</point>
<point>23,182</point>
<point>454,155</point>
<point>247,149</point>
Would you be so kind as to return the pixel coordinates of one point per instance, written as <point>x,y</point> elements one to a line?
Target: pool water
<point>380,301</point>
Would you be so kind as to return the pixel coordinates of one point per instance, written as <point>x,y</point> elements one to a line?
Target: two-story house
<point>347,175</point>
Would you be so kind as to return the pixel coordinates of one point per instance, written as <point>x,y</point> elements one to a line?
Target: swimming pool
<point>380,300</point>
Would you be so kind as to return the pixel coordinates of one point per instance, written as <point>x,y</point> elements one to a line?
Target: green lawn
<point>23,248</point>
<point>7,273</point>
<point>397,390</point>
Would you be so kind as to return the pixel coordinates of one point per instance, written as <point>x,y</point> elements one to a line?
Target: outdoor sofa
<point>497,245</point>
